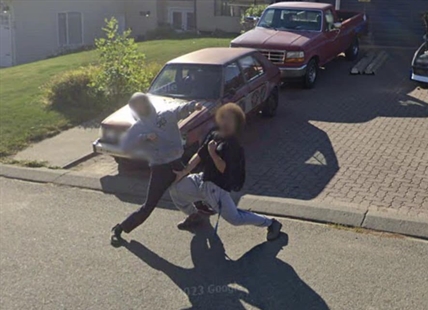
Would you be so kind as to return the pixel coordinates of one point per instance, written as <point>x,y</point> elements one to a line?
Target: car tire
<point>352,52</point>
<point>271,104</point>
<point>311,75</point>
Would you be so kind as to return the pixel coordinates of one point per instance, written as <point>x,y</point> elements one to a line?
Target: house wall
<point>35,24</point>
<point>135,21</point>
<point>207,21</point>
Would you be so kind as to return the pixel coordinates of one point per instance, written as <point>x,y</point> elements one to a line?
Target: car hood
<point>124,117</point>
<point>262,38</point>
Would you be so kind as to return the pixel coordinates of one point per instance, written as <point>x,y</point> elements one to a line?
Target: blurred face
<point>140,106</point>
<point>227,123</point>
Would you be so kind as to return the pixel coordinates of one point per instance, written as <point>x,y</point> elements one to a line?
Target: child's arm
<point>184,110</point>
<point>134,136</point>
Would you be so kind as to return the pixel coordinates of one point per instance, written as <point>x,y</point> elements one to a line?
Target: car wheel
<point>311,74</point>
<point>352,52</point>
<point>271,104</point>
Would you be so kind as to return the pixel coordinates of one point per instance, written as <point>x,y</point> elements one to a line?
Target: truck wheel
<point>311,74</point>
<point>352,52</point>
<point>271,104</point>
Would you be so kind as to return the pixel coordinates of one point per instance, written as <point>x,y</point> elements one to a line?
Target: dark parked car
<point>420,64</point>
<point>212,76</point>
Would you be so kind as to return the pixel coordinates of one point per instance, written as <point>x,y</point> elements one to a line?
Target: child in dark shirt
<point>219,155</point>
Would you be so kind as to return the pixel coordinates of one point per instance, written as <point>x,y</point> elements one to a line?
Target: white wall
<point>141,24</point>
<point>36,24</point>
<point>207,21</point>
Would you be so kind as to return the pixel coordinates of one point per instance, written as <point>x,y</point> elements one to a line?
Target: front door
<point>331,48</point>
<point>6,57</point>
<point>181,18</point>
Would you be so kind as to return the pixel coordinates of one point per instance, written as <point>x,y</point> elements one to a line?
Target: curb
<point>327,212</point>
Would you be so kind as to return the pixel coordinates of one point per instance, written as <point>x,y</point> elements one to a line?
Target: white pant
<point>192,189</point>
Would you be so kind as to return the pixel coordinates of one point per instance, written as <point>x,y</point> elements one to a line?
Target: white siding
<point>36,24</point>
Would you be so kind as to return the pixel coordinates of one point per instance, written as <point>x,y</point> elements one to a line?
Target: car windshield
<point>291,19</point>
<point>188,81</point>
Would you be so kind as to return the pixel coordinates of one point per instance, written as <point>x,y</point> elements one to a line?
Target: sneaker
<point>204,208</point>
<point>274,230</point>
<point>116,237</point>
<point>190,222</point>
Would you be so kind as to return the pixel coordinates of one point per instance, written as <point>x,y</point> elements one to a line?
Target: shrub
<point>253,11</point>
<point>72,90</point>
<point>122,66</point>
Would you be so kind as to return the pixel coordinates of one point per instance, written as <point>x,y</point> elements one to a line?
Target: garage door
<point>392,22</point>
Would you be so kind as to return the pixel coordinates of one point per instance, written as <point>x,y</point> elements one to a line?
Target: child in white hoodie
<point>158,135</point>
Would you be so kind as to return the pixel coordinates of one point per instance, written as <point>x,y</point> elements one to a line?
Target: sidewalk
<point>64,148</point>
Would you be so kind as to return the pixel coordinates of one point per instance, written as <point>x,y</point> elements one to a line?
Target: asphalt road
<point>55,254</point>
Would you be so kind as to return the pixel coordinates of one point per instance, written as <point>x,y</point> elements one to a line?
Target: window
<point>251,67</point>
<point>70,31</point>
<point>291,19</point>
<point>233,79</point>
<point>329,19</point>
<point>188,81</point>
<point>234,8</point>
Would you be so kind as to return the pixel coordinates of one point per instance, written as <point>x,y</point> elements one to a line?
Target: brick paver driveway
<point>352,139</point>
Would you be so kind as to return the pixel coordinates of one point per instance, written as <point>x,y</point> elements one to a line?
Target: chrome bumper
<point>109,149</point>
<point>419,78</point>
<point>291,73</point>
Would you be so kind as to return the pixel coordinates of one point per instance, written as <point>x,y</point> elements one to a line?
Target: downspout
<point>195,15</point>
<point>337,4</point>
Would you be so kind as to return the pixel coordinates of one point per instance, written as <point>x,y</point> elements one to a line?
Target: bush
<point>253,11</point>
<point>122,66</point>
<point>72,90</point>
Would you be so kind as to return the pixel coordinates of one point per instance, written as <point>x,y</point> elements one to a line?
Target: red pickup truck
<point>300,37</point>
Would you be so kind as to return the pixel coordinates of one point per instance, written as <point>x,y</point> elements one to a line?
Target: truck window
<point>251,67</point>
<point>329,20</point>
<point>233,79</point>
<point>291,19</point>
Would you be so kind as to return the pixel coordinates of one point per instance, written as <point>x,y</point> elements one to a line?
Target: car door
<point>331,47</point>
<point>234,89</point>
<point>255,76</point>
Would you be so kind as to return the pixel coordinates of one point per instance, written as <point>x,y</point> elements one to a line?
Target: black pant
<point>161,177</point>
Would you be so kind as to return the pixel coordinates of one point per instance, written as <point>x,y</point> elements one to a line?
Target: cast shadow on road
<point>258,278</point>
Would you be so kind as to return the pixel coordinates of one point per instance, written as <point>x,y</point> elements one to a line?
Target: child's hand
<point>212,146</point>
<point>152,136</point>
<point>198,107</point>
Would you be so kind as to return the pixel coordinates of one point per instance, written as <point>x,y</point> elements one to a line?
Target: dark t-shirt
<point>229,150</point>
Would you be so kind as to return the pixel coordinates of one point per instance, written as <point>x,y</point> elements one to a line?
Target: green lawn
<point>23,118</point>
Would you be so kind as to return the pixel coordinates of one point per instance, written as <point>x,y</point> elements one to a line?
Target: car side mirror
<point>231,92</point>
<point>337,25</point>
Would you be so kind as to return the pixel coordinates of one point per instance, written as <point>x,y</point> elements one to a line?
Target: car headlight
<point>295,56</point>
<point>109,135</point>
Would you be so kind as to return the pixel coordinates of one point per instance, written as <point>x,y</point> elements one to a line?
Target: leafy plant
<point>72,90</point>
<point>122,66</point>
<point>253,11</point>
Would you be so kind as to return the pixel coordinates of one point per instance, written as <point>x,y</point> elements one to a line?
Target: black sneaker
<point>116,237</point>
<point>192,221</point>
<point>274,230</point>
<point>204,208</point>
